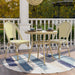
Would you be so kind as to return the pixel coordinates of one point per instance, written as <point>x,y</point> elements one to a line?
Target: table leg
<point>38,52</point>
<point>38,46</point>
<point>44,48</point>
<point>17,52</point>
<point>50,47</point>
<point>59,46</point>
<point>68,48</point>
<point>51,51</point>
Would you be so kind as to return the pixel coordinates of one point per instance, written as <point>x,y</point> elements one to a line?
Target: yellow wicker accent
<point>19,41</point>
<point>41,32</point>
<point>58,41</point>
<point>10,30</point>
<point>35,2</point>
<point>64,29</point>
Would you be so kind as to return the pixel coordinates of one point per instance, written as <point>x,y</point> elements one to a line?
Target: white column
<point>24,25</point>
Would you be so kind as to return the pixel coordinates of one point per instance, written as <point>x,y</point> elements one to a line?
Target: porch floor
<point>5,71</point>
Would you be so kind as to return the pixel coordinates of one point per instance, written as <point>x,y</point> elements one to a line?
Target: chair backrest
<point>64,29</point>
<point>10,30</point>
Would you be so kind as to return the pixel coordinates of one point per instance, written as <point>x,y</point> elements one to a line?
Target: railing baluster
<point>48,26</point>
<point>53,24</point>
<point>18,22</point>
<point>41,28</point>
<point>48,23</point>
<point>44,24</point>
<point>71,36</point>
<point>53,28</point>
<point>45,20</point>
<point>36,28</point>
<point>74,32</point>
<point>4,34</point>
<point>56,29</point>
<point>68,21</point>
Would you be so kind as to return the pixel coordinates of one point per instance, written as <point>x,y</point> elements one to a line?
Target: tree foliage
<point>46,9</point>
<point>9,9</point>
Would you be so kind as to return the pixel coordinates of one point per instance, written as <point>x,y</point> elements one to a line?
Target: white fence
<point>45,23</point>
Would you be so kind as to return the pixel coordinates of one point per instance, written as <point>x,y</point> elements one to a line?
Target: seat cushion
<point>58,41</point>
<point>19,41</point>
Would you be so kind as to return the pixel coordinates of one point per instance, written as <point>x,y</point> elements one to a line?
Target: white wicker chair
<point>64,31</point>
<point>10,30</point>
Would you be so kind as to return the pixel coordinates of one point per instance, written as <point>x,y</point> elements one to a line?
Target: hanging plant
<point>35,2</point>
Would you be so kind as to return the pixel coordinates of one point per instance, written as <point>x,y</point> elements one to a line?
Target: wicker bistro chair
<point>64,32</point>
<point>10,31</point>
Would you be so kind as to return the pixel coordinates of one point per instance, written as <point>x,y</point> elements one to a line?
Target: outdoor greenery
<point>46,10</point>
<point>10,9</point>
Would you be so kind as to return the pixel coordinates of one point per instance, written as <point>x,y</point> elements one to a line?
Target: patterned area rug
<point>36,65</point>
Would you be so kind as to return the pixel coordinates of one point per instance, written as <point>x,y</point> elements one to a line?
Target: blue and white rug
<point>36,65</point>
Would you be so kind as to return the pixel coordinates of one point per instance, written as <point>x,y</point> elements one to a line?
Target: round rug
<point>36,65</point>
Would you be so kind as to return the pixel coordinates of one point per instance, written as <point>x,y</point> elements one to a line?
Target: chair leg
<point>38,52</point>
<point>44,52</point>
<point>68,49</point>
<point>30,52</point>
<point>17,53</point>
<point>51,51</point>
<point>59,47</point>
<point>6,51</point>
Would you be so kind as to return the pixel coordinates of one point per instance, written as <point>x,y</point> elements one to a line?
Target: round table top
<point>41,32</point>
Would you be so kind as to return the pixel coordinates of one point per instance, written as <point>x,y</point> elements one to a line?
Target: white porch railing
<point>3,20</point>
<point>45,24</point>
<point>53,22</point>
